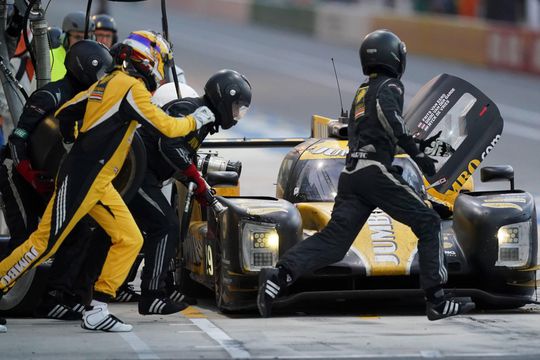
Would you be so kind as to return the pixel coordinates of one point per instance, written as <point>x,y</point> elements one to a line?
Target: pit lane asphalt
<point>292,79</point>
<point>334,331</point>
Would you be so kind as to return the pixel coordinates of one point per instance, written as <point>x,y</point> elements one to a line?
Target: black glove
<point>426,164</point>
<point>432,146</point>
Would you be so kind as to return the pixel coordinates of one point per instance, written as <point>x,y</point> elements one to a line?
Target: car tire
<point>129,179</point>
<point>219,288</point>
<point>25,296</point>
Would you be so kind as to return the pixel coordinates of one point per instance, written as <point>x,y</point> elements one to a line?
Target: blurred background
<point>285,47</point>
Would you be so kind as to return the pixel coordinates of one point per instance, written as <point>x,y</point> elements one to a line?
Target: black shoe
<point>159,306</point>
<point>51,308</point>
<point>269,289</point>
<point>177,296</point>
<point>449,306</point>
<point>126,293</point>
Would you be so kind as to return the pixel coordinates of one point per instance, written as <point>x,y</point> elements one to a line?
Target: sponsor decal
<point>465,175</point>
<point>383,239</point>
<point>436,110</point>
<point>26,260</point>
<point>491,146</point>
<point>328,151</point>
<point>450,253</point>
<point>502,206</point>
<point>386,247</point>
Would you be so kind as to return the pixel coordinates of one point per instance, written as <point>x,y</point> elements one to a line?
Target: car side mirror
<point>498,172</point>
<point>222,178</point>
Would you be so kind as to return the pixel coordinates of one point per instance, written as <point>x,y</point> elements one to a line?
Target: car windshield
<point>316,180</point>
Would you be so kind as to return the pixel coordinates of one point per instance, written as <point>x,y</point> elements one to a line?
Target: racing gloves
<point>41,183</point>
<point>426,164</point>
<point>193,174</point>
<point>203,115</point>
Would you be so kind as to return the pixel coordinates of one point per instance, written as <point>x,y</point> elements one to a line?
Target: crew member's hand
<point>41,183</point>
<point>203,116</point>
<point>200,192</point>
<point>426,164</point>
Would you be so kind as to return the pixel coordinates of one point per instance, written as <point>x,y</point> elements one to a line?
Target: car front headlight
<point>260,245</point>
<point>514,245</point>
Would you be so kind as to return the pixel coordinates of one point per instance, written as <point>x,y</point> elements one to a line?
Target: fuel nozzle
<point>214,203</point>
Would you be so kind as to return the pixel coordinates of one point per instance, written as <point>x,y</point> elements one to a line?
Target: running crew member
<point>368,181</point>
<point>26,191</point>
<point>110,111</point>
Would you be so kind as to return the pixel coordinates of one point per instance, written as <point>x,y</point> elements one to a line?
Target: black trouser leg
<point>159,223</point>
<point>388,191</point>
<point>90,270</point>
<point>69,259</point>
<point>23,206</point>
<point>331,243</point>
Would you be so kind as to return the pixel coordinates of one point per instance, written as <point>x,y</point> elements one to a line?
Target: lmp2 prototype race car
<point>489,237</point>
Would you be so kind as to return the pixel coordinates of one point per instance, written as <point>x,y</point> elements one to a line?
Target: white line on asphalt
<point>142,350</point>
<point>235,349</point>
<point>400,356</point>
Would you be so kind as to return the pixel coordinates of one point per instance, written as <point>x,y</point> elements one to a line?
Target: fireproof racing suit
<point>23,203</point>
<point>151,210</point>
<point>369,181</point>
<point>110,111</point>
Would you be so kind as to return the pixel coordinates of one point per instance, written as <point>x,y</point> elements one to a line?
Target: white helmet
<point>167,93</point>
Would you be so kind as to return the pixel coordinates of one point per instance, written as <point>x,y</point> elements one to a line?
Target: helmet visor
<point>239,110</point>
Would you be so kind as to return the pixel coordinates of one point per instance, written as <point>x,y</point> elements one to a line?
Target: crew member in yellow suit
<point>110,111</point>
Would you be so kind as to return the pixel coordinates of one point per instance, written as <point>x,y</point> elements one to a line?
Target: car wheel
<point>25,296</point>
<point>219,284</point>
<point>506,305</point>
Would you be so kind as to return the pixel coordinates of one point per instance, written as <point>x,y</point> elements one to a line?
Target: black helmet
<point>87,61</point>
<point>106,22</point>
<point>76,21</point>
<point>229,94</point>
<point>55,36</point>
<point>382,50</point>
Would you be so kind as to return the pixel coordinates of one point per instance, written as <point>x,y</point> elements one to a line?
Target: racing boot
<point>272,281</point>
<point>51,307</point>
<point>154,303</point>
<point>448,306</point>
<point>97,317</point>
<point>126,293</point>
<point>174,292</point>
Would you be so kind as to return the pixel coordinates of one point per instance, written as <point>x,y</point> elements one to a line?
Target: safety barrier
<point>278,14</point>
<point>467,40</point>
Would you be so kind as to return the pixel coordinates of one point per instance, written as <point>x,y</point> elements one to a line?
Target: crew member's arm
<point>139,105</point>
<point>389,109</point>
<point>71,112</point>
<point>40,104</point>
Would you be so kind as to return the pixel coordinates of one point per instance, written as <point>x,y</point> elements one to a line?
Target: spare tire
<point>46,153</point>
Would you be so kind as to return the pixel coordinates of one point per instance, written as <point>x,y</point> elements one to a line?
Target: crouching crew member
<point>228,95</point>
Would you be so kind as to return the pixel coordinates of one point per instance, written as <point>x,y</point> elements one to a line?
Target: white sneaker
<point>99,318</point>
<point>3,327</point>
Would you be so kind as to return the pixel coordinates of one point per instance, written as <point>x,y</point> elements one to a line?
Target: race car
<point>490,237</point>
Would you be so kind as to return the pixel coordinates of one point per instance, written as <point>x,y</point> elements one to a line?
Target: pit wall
<point>467,40</point>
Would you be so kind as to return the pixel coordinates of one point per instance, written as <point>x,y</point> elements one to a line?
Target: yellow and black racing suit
<point>110,111</point>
